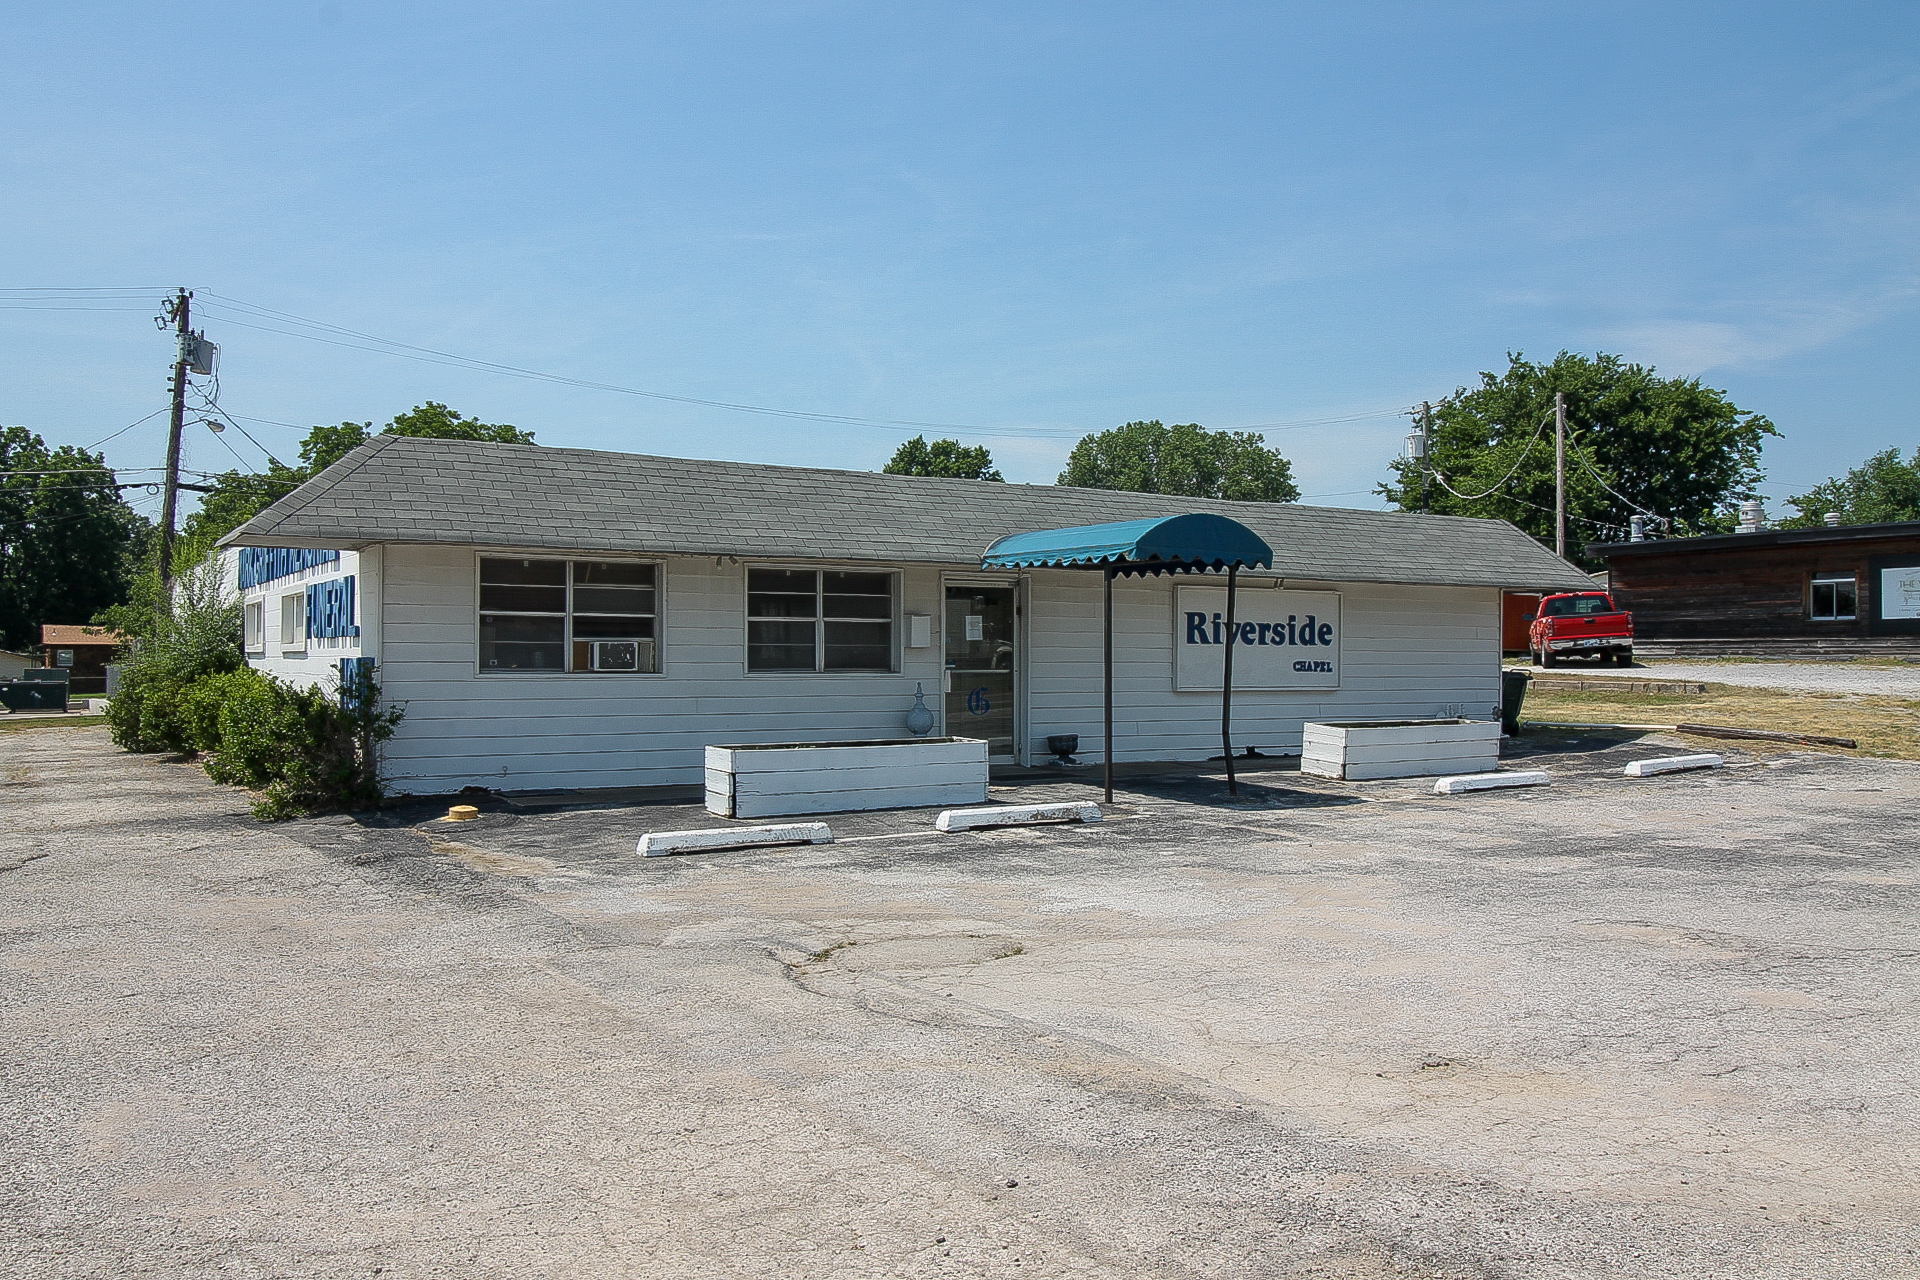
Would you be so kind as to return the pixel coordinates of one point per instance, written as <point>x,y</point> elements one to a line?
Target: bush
<point>199,637</point>
<point>330,763</point>
<point>187,687</point>
<point>252,727</point>
<point>198,707</point>
<point>141,715</point>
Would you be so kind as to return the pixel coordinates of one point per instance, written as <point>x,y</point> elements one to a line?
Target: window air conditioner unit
<point>619,655</point>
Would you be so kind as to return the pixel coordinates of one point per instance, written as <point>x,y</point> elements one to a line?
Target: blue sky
<point>1030,221</point>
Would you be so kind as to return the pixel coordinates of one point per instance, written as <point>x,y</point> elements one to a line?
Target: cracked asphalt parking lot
<point>1610,1028</point>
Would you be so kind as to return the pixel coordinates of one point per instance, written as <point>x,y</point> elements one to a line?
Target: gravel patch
<point>1803,677</point>
<point>1800,677</point>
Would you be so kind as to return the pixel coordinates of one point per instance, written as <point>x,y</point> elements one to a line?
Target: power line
<point>357,340</point>
<point>90,471</point>
<point>212,402</point>
<point>1475,497</point>
<point>136,290</point>
<point>122,431</point>
<point>429,356</point>
<point>68,298</point>
<point>1581,453</point>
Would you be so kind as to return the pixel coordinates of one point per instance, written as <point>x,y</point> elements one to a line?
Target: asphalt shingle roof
<point>409,489</point>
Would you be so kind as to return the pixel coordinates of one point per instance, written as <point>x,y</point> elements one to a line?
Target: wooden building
<point>1849,589</point>
<point>82,652</point>
<point>567,618</point>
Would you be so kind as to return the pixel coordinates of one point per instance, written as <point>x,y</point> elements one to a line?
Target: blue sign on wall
<point>330,609</point>
<point>261,565</point>
<point>355,677</point>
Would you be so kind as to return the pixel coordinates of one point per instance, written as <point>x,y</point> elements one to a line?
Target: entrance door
<point>981,646</point>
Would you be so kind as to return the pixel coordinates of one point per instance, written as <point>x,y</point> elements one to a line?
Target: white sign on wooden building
<point>1287,639</point>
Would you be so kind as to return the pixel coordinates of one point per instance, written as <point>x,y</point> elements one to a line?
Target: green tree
<point>947,458</point>
<point>1636,443</point>
<point>1882,490</point>
<point>66,538</point>
<point>238,497</point>
<point>1186,459</point>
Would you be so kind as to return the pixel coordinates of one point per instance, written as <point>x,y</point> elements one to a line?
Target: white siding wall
<point>523,731</point>
<point>1408,651</point>
<point>302,661</point>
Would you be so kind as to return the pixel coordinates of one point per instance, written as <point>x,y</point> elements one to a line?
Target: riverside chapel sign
<point>1285,639</point>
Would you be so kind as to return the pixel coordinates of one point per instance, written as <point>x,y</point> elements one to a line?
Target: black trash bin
<point>1513,691</point>
<point>34,695</point>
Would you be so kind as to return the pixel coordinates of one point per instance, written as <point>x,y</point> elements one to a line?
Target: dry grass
<point>1888,727</point>
<point>49,722</point>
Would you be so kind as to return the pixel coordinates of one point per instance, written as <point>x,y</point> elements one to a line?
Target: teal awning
<point>1169,544</point>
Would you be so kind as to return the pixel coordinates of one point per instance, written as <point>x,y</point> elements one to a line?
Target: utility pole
<point>1560,474</point>
<point>176,310</point>
<point>1426,449</point>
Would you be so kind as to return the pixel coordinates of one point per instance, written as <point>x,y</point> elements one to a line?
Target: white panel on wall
<point>1405,652</point>
<point>1287,639</point>
<point>582,729</point>
<point>285,651</point>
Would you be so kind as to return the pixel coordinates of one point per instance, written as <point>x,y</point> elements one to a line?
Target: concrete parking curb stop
<point>1490,782</point>
<point>1671,764</point>
<point>1015,815</point>
<point>658,844</point>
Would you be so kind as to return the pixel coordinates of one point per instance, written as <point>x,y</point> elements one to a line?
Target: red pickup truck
<point>1580,624</point>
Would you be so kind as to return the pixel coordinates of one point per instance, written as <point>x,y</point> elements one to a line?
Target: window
<point>1836,597</point>
<point>819,620</point>
<point>568,615</point>
<point>63,657</point>
<point>1578,606</point>
<point>293,623</point>
<point>253,631</point>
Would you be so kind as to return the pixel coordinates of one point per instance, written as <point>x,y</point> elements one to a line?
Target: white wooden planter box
<point>1360,749</point>
<point>833,777</point>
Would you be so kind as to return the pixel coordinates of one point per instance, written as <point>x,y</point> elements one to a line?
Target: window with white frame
<point>1836,597</point>
<point>568,615</point>
<point>253,631</point>
<point>293,622</point>
<point>820,619</point>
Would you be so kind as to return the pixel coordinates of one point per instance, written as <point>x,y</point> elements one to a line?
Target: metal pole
<point>1109,764</point>
<point>170,495</point>
<point>1560,474</point>
<point>1426,439</point>
<point>1226,682</point>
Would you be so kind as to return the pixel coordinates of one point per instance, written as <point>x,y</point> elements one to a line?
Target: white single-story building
<point>556,618</point>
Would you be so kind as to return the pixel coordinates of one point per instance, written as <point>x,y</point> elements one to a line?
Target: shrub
<point>140,717</point>
<point>199,637</point>
<point>252,727</point>
<point>198,707</point>
<point>331,763</point>
<point>187,688</point>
